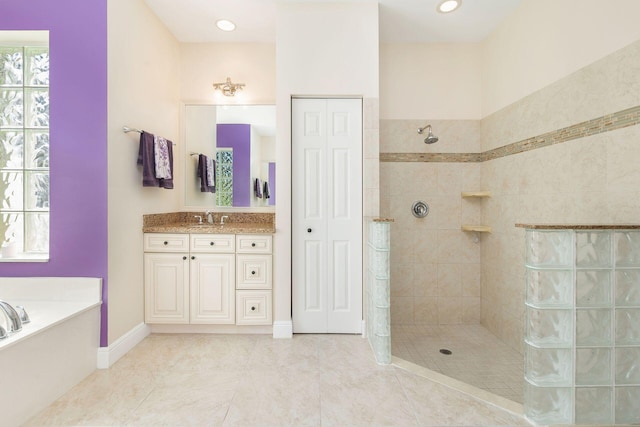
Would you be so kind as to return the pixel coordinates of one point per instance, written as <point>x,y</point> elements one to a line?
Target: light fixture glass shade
<point>225,25</point>
<point>447,6</point>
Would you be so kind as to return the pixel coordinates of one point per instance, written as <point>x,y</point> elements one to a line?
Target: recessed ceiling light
<point>225,25</point>
<point>447,6</point>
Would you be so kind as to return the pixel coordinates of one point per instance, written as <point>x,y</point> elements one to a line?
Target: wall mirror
<point>237,142</point>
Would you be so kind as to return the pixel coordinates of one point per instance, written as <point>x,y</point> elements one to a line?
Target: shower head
<point>431,138</point>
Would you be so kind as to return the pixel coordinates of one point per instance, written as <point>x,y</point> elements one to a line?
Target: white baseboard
<point>283,329</point>
<point>107,356</point>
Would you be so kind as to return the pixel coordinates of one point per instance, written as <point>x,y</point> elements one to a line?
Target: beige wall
<point>143,93</point>
<point>438,81</point>
<point>546,40</point>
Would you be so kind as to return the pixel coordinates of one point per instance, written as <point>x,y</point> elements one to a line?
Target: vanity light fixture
<point>447,6</point>
<point>227,88</point>
<point>225,25</point>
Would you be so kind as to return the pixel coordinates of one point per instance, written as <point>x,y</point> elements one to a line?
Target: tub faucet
<point>14,323</point>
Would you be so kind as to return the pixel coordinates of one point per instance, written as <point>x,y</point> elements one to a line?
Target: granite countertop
<point>185,222</point>
<point>580,226</point>
<point>228,228</point>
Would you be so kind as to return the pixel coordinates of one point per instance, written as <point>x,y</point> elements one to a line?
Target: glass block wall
<point>582,334</point>
<point>377,293</point>
<point>24,147</point>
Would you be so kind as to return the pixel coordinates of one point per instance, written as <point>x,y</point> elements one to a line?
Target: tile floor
<point>478,357</point>
<point>251,380</point>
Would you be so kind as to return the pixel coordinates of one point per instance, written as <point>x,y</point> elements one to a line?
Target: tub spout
<point>14,323</point>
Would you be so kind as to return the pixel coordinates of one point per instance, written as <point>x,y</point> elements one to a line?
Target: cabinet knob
<point>253,272</point>
<point>193,257</point>
<point>212,243</point>
<point>253,245</point>
<point>253,308</point>
<point>309,230</point>
<point>166,243</point>
<point>184,257</point>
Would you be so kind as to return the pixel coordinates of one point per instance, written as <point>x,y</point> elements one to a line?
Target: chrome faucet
<point>13,318</point>
<point>209,216</point>
<point>222,219</point>
<point>199,217</point>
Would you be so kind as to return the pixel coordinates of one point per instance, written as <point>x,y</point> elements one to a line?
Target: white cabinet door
<point>213,288</point>
<point>327,215</point>
<point>166,287</point>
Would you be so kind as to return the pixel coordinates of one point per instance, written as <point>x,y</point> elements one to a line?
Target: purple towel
<point>146,158</point>
<point>202,174</point>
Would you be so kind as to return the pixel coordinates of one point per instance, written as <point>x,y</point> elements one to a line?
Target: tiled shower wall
<point>435,267</point>
<point>567,153</point>
<point>589,173</point>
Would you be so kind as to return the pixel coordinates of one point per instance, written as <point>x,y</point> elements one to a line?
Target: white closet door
<point>327,215</point>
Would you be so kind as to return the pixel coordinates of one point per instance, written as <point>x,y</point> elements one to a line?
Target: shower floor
<point>477,356</point>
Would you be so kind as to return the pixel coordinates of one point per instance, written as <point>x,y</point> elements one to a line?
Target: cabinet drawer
<point>253,308</point>
<point>253,243</point>
<point>213,243</point>
<point>158,242</point>
<point>253,271</point>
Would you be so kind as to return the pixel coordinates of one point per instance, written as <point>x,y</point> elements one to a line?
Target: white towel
<point>211,172</point>
<point>161,154</point>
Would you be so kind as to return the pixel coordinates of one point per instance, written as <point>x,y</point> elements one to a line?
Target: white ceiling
<point>193,21</point>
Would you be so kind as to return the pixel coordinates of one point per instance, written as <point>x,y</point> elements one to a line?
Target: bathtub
<point>53,352</point>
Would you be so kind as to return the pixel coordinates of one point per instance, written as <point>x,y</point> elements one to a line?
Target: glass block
<point>381,321</point>
<point>549,248</point>
<point>11,190</point>
<point>593,288</point>
<point>11,65</point>
<point>593,405</point>
<point>626,404</point>
<point>548,405</point>
<point>36,149</point>
<point>593,366</point>
<point>627,287</point>
<point>37,66</point>
<point>548,366</point>
<point>549,287</point>
<point>628,326</point>
<point>11,228</point>
<point>37,190</point>
<point>11,149</point>
<point>628,365</point>
<point>549,328</point>
<point>380,291</point>
<point>627,248</point>
<point>593,327</point>
<point>36,108</point>
<point>593,249</point>
<point>381,349</point>
<point>37,238</point>
<point>379,235</point>
<point>379,264</point>
<point>11,108</point>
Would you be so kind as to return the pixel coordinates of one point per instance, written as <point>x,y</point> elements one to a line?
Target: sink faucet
<point>14,323</point>
<point>199,218</point>
<point>222,219</point>
<point>209,216</point>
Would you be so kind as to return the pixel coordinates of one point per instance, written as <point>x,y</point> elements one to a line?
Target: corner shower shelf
<point>467,194</point>
<point>476,228</point>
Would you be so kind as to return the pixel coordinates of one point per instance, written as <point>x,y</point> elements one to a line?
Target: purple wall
<point>78,79</point>
<point>272,183</point>
<point>238,137</point>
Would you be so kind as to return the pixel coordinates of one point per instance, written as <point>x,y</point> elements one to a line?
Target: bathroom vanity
<point>208,274</point>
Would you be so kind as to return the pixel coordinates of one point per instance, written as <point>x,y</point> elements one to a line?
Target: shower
<point>431,138</point>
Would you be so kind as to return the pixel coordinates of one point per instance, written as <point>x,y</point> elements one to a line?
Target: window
<point>24,148</point>
<point>224,177</point>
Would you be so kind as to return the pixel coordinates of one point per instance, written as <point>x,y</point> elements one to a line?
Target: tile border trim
<point>606,123</point>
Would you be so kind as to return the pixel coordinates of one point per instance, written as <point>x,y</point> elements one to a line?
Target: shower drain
<point>445,351</point>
